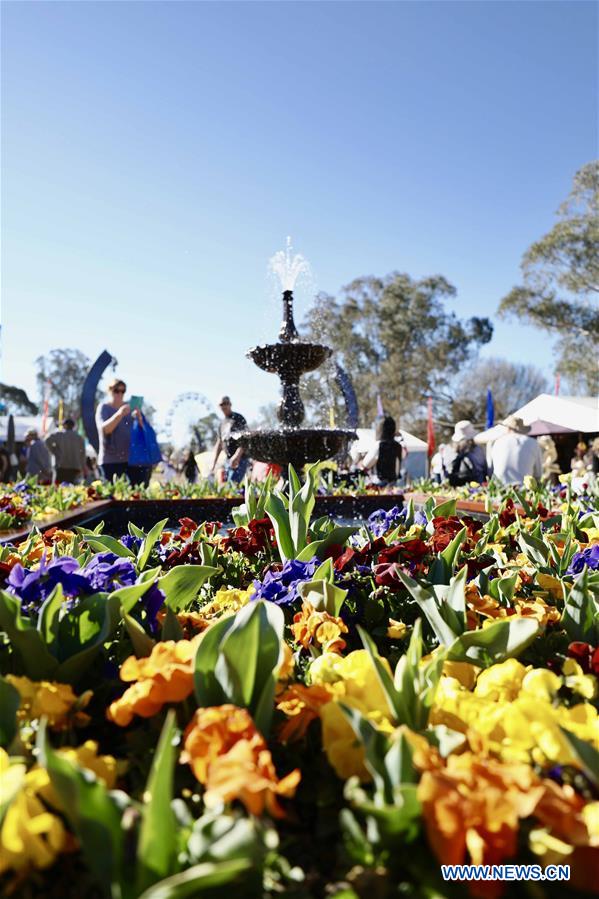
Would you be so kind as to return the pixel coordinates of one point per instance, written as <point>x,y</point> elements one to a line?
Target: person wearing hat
<point>515,455</point>
<point>68,449</point>
<point>464,461</point>
<point>38,461</point>
<point>232,422</point>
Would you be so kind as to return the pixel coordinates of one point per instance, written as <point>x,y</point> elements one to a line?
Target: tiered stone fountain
<point>290,358</point>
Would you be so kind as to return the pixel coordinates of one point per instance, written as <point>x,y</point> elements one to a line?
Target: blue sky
<point>156,154</point>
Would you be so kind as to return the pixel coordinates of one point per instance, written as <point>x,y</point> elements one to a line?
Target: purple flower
<point>107,572</point>
<point>281,586</point>
<point>588,558</point>
<point>382,521</point>
<point>131,542</point>
<point>420,518</point>
<point>33,587</point>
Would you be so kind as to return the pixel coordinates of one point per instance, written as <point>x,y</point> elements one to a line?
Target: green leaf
<point>199,880</point>
<point>536,550</point>
<point>104,542</point>
<point>171,629</point>
<point>338,535</point>
<point>10,700</point>
<point>182,584</point>
<point>586,754</point>
<point>142,643</point>
<point>278,514</point>
<point>445,622</point>
<point>128,596</point>
<point>157,844</point>
<point>580,617</point>
<point>376,746</point>
<point>450,553</point>
<point>37,662</point>
<point>445,510</point>
<point>323,595</point>
<point>90,810</point>
<point>48,618</point>
<point>149,542</point>
<point>208,690</point>
<point>94,622</point>
<point>492,644</point>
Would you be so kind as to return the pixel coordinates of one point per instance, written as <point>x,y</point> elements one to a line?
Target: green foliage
<point>182,584</point>
<point>9,705</point>
<point>561,281</point>
<point>394,336</point>
<point>581,610</point>
<point>238,660</point>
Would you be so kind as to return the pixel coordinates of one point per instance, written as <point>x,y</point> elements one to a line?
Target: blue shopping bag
<point>143,446</point>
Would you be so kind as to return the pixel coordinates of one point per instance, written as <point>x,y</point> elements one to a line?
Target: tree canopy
<point>16,401</point>
<point>61,373</point>
<point>396,339</point>
<point>560,285</point>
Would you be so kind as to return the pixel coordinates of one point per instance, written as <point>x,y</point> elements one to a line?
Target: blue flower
<point>131,542</point>
<point>107,572</point>
<point>588,558</point>
<point>33,587</point>
<point>281,586</point>
<point>382,521</point>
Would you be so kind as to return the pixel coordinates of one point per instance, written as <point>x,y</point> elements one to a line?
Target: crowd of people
<point>128,446</point>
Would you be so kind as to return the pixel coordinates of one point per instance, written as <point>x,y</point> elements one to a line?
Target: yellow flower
<point>583,684</point>
<point>226,601</point>
<point>56,701</point>
<point>501,682</point>
<point>541,683</point>
<point>353,681</point>
<point>318,629</point>
<point>396,629</point>
<point>552,585</point>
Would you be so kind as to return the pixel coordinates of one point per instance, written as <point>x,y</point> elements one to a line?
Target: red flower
<point>188,526</point>
<point>508,515</point>
<point>257,536</point>
<point>410,551</point>
<point>586,655</point>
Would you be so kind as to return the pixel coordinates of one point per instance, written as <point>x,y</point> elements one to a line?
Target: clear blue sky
<point>156,154</point>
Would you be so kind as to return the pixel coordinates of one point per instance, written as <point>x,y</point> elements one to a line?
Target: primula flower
<point>353,681</point>
<point>301,704</point>
<point>230,757</point>
<point>474,805</point>
<point>32,835</point>
<point>318,629</point>
<point>166,675</point>
<point>56,701</point>
<point>281,586</point>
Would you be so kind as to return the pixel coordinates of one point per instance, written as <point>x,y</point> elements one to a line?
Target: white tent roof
<point>366,438</point>
<point>24,423</point>
<point>580,413</point>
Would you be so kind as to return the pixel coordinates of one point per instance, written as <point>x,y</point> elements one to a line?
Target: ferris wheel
<point>187,410</point>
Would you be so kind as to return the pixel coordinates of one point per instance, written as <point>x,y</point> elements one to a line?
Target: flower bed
<point>302,708</point>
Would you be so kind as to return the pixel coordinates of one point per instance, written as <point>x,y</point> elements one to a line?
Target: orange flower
<point>475,804</point>
<point>191,623</point>
<point>230,757</point>
<point>301,705</point>
<point>166,675</point>
<point>319,629</point>
<point>212,732</point>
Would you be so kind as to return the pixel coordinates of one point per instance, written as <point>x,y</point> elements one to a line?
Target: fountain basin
<point>289,360</point>
<point>296,446</point>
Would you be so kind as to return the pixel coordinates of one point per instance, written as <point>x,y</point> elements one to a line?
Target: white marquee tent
<point>578,413</point>
<point>414,462</point>
<point>24,423</point>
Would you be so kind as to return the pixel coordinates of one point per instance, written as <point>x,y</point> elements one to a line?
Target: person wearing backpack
<point>464,461</point>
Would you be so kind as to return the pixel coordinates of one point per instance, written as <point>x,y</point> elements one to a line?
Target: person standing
<point>114,420</point>
<point>68,449</point>
<point>464,461</point>
<point>384,459</point>
<point>38,461</point>
<point>232,422</point>
<point>515,455</point>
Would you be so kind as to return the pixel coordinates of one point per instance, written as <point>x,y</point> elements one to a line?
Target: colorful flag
<point>430,429</point>
<point>490,409</point>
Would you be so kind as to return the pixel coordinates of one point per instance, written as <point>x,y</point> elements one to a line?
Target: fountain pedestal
<point>290,359</point>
